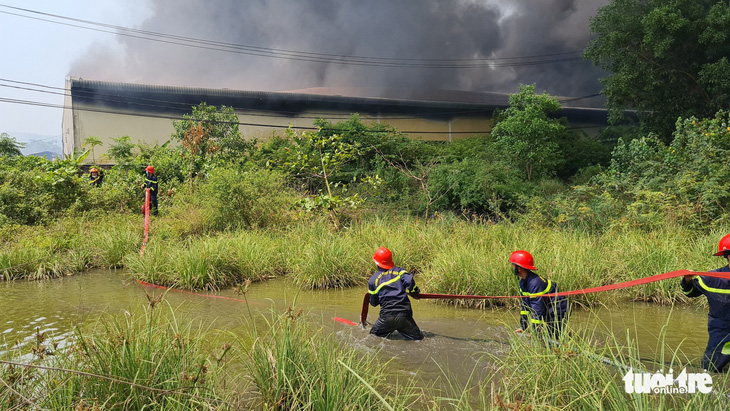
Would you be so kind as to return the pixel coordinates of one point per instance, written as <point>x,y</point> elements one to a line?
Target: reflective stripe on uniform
<point>549,285</point>
<point>534,321</point>
<point>524,313</point>
<point>710,289</point>
<point>147,180</point>
<point>392,280</point>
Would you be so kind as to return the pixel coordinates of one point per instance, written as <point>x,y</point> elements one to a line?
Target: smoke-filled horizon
<point>411,30</point>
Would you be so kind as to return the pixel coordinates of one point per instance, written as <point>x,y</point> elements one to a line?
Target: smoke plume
<point>427,32</point>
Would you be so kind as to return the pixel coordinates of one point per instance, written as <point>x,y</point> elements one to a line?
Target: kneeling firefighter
<point>390,287</point>
<point>538,311</point>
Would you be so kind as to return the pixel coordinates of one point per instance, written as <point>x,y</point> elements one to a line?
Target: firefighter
<point>537,312</point>
<point>95,178</point>
<point>150,181</point>
<point>390,287</point>
<point>717,291</point>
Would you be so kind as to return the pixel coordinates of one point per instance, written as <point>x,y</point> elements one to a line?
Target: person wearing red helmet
<point>537,311</point>
<point>150,181</point>
<point>95,178</point>
<point>717,291</point>
<point>390,287</point>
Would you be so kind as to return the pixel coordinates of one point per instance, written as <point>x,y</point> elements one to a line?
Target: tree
<point>666,59</point>
<point>92,142</point>
<point>9,146</point>
<point>320,156</point>
<point>527,136</point>
<point>121,152</point>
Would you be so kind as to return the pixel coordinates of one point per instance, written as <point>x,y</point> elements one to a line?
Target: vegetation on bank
<point>153,360</point>
<point>313,206</point>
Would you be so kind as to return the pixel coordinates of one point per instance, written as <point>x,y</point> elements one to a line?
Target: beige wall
<point>152,130</point>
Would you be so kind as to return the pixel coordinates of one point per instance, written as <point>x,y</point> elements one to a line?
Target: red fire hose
<point>632,283</point>
<point>146,220</point>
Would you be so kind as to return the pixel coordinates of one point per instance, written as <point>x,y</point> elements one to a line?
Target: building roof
<point>175,101</point>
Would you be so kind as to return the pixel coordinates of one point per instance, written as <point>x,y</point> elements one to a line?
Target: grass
<point>293,366</point>
<point>147,360</point>
<point>583,372</point>
<point>448,255</point>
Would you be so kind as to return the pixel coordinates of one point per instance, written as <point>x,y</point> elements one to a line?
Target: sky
<point>278,45</point>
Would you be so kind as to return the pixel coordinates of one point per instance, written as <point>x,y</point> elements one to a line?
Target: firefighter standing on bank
<point>717,291</point>
<point>537,311</point>
<point>150,181</point>
<point>390,287</point>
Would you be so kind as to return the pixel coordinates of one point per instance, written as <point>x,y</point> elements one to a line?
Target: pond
<point>458,340</point>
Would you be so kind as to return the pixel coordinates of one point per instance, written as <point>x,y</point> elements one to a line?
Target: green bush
<point>247,198</point>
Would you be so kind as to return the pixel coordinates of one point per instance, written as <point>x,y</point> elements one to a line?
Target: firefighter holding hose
<point>390,287</point>
<point>537,311</point>
<point>717,291</point>
<point>150,182</point>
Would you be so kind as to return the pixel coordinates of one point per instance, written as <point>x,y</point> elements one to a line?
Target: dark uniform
<point>717,291</point>
<point>390,289</point>
<point>96,181</point>
<point>150,181</point>
<point>536,310</point>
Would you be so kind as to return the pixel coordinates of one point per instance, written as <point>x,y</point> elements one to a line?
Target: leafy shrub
<point>250,198</point>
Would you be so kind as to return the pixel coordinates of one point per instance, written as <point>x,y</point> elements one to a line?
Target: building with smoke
<point>145,113</point>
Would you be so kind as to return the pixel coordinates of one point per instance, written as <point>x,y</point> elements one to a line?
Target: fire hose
<point>626,284</point>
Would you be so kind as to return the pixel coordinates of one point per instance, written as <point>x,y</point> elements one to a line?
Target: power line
<point>176,105</point>
<point>495,62</point>
<point>265,125</point>
<point>159,116</point>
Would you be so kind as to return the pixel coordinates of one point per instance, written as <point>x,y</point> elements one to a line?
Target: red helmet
<point>93,170</point>
<point>723,246</point>
<point>150,169</point>
<point>523,259</point>
<point>383,258</point>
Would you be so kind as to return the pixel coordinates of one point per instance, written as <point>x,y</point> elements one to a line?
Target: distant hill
<point>39,145</point>
<point>47,154</point>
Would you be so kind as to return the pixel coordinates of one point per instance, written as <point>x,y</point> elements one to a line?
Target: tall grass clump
<point>475,260</point>
<point>294,367</point>
<point>585,372</point>
<point>149,360</point>
<point>111,243</point>
<point>321,258</point>
<point>210,262</point>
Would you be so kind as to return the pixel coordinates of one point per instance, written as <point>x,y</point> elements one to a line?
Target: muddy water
<point>458,341</point>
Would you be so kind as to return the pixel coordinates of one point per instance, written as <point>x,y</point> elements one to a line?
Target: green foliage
<point>651,184</point>
<point>666,59</point>
<point>590,358</point>
<point>9,146</point>
<point>527,136</point>
<point>253,198</point>
<point>295,368</point>
<point>210,134</point>
<point>92,142</point>
<point>129,362</point>
<point>320,156</point>
<point>121,151</point>
<point>33,189</point>
<point>476,179</point>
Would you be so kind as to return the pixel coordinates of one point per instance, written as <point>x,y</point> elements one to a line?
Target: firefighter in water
<point>538,311</point>
<point>717,291</point>
<point>390,287</point>
<point>95,178</point>
<point>150,181</point>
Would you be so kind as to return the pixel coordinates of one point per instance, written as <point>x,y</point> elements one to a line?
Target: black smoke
<point>411,30</point>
